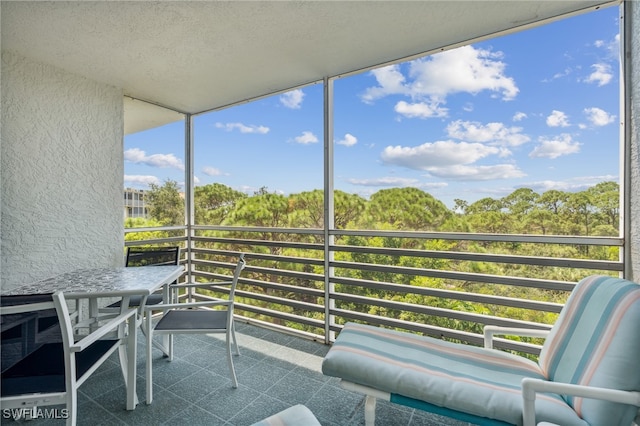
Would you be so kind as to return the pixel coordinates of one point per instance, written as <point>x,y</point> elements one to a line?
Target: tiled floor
<point>275,370</point>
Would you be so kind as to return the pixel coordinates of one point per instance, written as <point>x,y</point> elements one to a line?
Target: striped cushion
<point>596,342</point>
<point>464,378</point>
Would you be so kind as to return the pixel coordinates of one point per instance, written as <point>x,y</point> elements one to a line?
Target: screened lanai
<point>90,73</point>
<point>79,77</point>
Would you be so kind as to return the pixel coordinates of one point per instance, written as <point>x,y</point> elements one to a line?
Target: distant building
<point>134,205</point>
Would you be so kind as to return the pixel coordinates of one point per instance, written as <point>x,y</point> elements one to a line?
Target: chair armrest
<point>531,386</point>
<point>104,329</point>
<point>493,330</point>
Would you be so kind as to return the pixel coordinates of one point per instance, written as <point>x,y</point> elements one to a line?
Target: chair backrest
<point>27,322</point>
<point>236,275</point>
<point>596,342</point>
<point>152,256</point>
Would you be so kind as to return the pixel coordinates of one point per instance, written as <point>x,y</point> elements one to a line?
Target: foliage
<point>165,203</point>
<point>593,212</point>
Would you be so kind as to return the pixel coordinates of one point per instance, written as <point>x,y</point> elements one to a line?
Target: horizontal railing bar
<point>460,276</point>
<point>266,284</point>
<point>440,312</point>
<point>245,242</point>
<point>506,238</point>
<point>454,295</point>
<point>312,231</point>
<point>482,257</point>
<point>462,236</point>
<point>155,229</point>
<point>271,257</point>
<point>156,241</point>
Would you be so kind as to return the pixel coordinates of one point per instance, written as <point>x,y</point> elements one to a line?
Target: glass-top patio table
<point>99,283</point>
<point>103,282</point>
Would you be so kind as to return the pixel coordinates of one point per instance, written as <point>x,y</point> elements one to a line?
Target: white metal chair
<point>44,361</point>
<point>195,318</point>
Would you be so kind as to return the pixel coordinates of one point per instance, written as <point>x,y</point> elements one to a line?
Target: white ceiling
<point>195,56</point>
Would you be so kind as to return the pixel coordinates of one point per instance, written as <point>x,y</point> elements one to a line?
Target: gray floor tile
<point>275,371</point>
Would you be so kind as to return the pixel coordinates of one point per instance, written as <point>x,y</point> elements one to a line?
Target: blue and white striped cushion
<point>596,341</point>
<point>464,378</point>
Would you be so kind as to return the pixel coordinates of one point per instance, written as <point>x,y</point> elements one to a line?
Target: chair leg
<point>235,341</point>
<point>234,379</point>
<point>370,410</point>
<point>149,366</point>
<point>132,355</point>
<point>72,406</point>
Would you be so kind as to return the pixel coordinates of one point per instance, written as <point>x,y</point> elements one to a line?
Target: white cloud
<point>462,172</point>
<point>420,110</point>
<point>571,185</point>
<point>138,180</point>
<point>212,171</point>
<point>564,73</point>
<point>491,133</point>
<point>557,119</point>
<point>612,47</point>
<point>465,69</point>
<point>138,156</point>
<point>436,154</point>
<point>599,117</point>
<point>306,138</point>
<point>393,182</point>
<point>390,82</point>
<point>554,148</point>
<point>519,116</point>
<point>292,99</point>
<point>601,74</point>
<point>348,140</point>
<point>243,128</point>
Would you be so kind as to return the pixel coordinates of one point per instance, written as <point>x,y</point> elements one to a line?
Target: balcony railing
<point>448,285</point>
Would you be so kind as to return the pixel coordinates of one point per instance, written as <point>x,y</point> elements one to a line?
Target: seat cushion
<point>192,320</point>
<point>468,379</point>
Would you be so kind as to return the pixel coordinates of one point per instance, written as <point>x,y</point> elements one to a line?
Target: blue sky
<point>538,108</point>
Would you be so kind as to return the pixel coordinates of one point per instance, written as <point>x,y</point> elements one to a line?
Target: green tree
<point>165,203</point>
<point>606,198</point>
<point>408,209</point>
<point>213,202</point>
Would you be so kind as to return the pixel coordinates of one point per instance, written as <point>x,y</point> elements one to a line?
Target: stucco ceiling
<point>201,55</point>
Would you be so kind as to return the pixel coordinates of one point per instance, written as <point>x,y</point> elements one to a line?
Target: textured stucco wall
<point>632,14</point>
<point>61,174</point>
